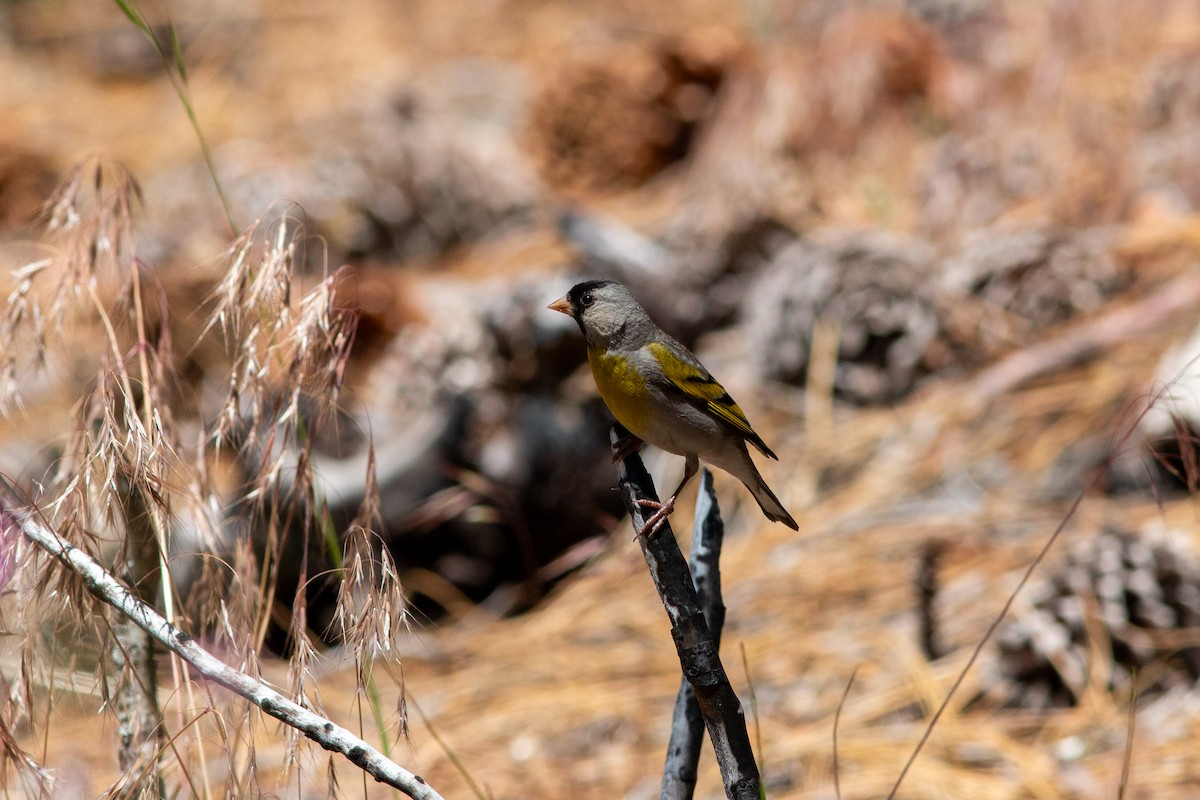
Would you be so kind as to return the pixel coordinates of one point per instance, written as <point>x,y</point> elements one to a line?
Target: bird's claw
<point>625,447</point>
<point>655,520</point>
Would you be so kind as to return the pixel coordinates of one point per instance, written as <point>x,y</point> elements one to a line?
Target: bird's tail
<point>745,471</point>
<point>770,504</point>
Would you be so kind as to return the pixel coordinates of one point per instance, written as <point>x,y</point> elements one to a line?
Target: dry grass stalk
<point>371,601</point>
<point>133,484</point>
<point>102,585</point>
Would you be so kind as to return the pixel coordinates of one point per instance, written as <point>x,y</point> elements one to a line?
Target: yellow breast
<point>623,390</point>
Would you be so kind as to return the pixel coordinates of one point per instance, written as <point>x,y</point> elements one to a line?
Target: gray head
<point>607,313</point>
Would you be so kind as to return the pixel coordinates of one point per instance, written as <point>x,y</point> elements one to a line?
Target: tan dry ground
<point>572,700</point>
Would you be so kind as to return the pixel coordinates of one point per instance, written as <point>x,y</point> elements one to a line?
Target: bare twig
<point>758,742</point>
<point>987,635</point>
<point>926,583</point>
<point>1117,447</point>
<point>687,724</point>
<point>837,719</point>
<point>458,763</point>
<point>15,512</point>
<point>719,704</point>
<point>1127,762</point>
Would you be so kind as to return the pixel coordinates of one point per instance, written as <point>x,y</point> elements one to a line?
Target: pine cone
<point>1119,595</point>
<point>1005,287</point>
<point>874,287</point>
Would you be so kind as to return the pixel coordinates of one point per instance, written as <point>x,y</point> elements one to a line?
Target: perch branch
<point>687,724</point>
<point>13,511</point>
<point>719,704</point>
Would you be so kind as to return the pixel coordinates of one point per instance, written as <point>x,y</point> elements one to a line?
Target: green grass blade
<point>135,17</point>
<point>177,53</point>
<point>176,69</point>
<point>385,745</point>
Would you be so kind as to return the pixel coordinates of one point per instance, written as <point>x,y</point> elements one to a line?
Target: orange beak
<point>562,304</point>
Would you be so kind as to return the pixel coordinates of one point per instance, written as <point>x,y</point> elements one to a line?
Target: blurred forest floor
<point>1039,159</point>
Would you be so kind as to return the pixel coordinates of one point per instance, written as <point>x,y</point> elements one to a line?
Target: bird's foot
<point>624,447</point>
<point>655,520</point>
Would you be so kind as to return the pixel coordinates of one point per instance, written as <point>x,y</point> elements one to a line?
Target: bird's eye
<point>586,300</point>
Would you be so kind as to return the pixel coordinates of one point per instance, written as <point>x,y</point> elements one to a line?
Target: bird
<point>661,393</point>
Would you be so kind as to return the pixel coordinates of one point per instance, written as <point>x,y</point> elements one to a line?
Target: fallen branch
<point>687,724</point>
<point>611,246</point>
<point>14,511</point>
<point>698,657</point>
<point>1094,335</point>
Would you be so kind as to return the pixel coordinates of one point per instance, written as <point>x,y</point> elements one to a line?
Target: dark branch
<point>687,724</point>
<point>926,582</point>
<point>719,704</point>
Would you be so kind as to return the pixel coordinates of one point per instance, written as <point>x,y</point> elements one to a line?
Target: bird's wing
<point>685,374</point>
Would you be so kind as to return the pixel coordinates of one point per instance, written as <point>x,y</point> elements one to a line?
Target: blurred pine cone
<point>616,122</point>
<point>1120,604</point>
<point>873,286</point>
<point>1005,287</point>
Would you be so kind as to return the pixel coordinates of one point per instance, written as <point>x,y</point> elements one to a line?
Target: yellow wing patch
<point>698,384</point>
